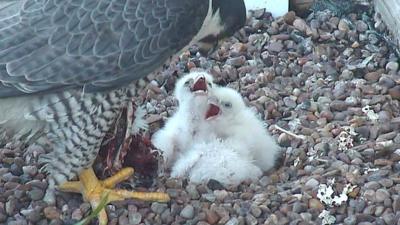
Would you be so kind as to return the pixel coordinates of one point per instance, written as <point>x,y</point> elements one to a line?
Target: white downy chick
<point>216,159</point>
<point>176,136</point>
<point>230,118</point>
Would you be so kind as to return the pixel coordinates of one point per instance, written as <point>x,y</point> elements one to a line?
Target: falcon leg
<point>93,190</point>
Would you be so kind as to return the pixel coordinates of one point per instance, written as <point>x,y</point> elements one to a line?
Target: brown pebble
<point>51,213</point>
<point>212,217</point>
<point>246,196</point>
<point>190,65</point>
<point>237,49</point>
<point>383,162</point>
<point>372,76</point>
<point>301,25</point>
<point>395,92</point>
<point>289,17</point>
<point>315,204</point>
<point>328,115</point>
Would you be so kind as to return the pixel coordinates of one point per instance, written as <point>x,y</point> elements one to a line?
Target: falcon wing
<point>52,45</point>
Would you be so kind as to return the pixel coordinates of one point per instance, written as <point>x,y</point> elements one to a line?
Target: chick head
<point>224,105</point>
<point>192,85</point>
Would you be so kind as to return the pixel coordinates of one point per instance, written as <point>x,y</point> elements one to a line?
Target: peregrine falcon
<point>67,67</point>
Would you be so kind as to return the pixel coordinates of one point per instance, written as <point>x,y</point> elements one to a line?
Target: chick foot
<point>94,190</point>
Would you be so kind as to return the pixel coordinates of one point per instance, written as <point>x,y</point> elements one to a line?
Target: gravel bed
<point>333,83</point>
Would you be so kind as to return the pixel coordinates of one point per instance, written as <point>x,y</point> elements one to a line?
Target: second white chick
<point>176,136</point>
<point>230,118</point>
<point>216,159</point>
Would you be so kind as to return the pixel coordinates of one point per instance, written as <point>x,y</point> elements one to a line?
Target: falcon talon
<point>93,190</point>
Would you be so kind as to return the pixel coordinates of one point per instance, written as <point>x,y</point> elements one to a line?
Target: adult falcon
<point>67,67</point>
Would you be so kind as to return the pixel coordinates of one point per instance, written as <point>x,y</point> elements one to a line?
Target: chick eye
<point>209,84</point>
<point>228,105</point>
<point>187,83</point>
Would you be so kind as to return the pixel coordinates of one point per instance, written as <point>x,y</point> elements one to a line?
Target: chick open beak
<point>200,85</point>
<point>213,111</point>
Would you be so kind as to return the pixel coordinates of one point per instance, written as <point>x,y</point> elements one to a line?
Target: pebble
<point>284,140</point>
<point>233,221</point>
<point>187,212</point>
<point>220,195</point>
<point>10,206</point>
<point>134,218</point>
<point>372,76</point>
<point>236,61</point>
<point>370,195</point>
<point>351,220</point>
<point>315,204</point>
<point>77,214</point>
<point>36,194</point>
<point>311,183</point>
<point>275,47</point>
<point>3,217</point>
<point>392,67</point>
<point>51,213</point>
<point>387,183</point>
<point>381,195</point>
<point>389,218</point>
<point>300,25</point>
<point>30,170</point>
<point>379,210</point>
<point>209,197</point>
<point>372,185</point>
<point>394,92</point>
<point>387,82</point>
<point>251,220</point>
<point>361,26</point>
<point>299,207</point>
<point>343,26</point>
<point>158,207</point>
<point>123,219</point>
<point>212,217</point>
<point>215,185</point>
<point>255,211</point>
<point>337,105</point>
<point>202,223</point>
<point>16,170</point>
<point>192,191</point>
<point>289,17</point>
<point>32,215</point>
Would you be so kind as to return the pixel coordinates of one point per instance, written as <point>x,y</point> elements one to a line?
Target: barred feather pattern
<point>77,123</point>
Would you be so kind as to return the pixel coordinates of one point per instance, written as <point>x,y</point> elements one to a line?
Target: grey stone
<point>187,212</point>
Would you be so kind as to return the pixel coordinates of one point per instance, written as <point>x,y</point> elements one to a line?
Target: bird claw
<point>93,190</point>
